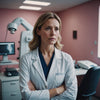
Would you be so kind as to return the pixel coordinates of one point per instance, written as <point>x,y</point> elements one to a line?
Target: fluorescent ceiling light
<point>37,3</point>
<point>30,8</point>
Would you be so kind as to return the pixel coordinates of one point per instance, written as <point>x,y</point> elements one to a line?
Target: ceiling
<point>56,5</point>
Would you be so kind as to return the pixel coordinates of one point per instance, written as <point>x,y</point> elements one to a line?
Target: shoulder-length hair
<point>36,41</point>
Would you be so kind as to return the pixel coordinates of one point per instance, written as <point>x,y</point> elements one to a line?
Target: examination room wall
<point>6,17</point>
<point>84,20</point>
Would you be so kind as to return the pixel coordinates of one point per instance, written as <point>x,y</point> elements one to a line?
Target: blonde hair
<point>36,41</point>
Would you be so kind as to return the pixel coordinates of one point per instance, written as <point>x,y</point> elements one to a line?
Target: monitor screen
<point>7,48</point>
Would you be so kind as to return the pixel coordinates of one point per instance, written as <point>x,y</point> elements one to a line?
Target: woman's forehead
<point>52,21</point>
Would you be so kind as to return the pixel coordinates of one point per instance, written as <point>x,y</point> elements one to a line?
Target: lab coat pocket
<point>59,78</point>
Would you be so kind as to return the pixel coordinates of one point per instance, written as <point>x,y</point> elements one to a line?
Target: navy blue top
<point>45,67</point>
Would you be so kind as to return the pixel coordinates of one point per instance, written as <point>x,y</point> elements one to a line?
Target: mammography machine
<point>26,36</point>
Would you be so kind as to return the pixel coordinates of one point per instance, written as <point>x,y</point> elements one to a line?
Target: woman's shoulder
<point>65,54</point>
<point>30,53</point>
<point>67,57</point>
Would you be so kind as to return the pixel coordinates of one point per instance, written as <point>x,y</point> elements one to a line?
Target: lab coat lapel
<point>37,65</point>
<point>56,62</point>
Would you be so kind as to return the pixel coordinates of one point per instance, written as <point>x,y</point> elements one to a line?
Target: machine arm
<point>26,36</point>
<point>12,27</point>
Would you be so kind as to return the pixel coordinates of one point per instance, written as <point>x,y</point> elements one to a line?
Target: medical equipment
<point>26,36</point>
<point>86,64</point>
<point>6,48</point>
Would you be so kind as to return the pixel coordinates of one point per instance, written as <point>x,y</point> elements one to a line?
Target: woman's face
<point>49,32</point>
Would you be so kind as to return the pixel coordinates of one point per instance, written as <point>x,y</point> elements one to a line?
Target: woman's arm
<point>53,92</point>
<point>26,93</point>
<point>31,86</point>
<point>57,91</point>
<point>70,82</point>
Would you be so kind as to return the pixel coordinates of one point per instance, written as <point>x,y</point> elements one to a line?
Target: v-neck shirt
<point>46,67</point>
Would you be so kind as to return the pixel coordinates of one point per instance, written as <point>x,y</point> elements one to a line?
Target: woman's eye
<point>47,28</point>
<point>56,28</point>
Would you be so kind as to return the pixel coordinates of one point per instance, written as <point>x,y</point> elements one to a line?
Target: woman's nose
<point>53,32</point>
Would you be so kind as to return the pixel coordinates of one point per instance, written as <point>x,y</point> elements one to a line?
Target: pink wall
<point>84,19</point>
<point>7,16</point>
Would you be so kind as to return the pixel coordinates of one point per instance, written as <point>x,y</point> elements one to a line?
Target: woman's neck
<point>47,50</point>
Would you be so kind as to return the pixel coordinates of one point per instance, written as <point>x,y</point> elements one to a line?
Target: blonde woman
<point>46,72</point>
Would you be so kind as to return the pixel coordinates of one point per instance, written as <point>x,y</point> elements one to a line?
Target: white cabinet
<point>9,88</point>
<point>13,62</point>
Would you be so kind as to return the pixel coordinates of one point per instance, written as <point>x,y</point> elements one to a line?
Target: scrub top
<point>45,67</point>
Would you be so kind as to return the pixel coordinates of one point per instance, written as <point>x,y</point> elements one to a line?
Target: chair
<point>89,83</point>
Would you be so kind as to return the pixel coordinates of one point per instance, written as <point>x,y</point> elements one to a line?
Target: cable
<point>6,34</point>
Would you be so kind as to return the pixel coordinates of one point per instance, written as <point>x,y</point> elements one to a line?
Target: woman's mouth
<point>52,39</point>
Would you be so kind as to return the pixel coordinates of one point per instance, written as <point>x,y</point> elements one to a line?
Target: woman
<point>46,72</point>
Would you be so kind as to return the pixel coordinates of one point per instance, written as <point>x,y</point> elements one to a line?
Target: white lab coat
<point>62,70</point>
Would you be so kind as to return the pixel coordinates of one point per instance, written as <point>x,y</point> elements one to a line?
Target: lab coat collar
<point>58,53</point>
<point>37,64</point>
<point>36,54</point>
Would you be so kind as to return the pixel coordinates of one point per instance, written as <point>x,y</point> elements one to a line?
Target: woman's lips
<point>52,39</point>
